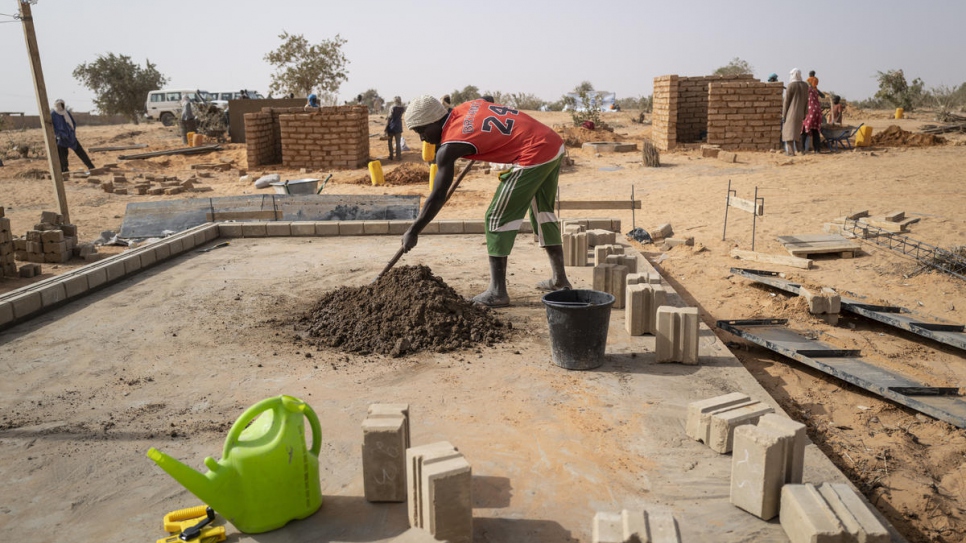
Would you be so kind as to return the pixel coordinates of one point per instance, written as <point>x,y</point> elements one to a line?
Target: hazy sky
<point>543,47</point>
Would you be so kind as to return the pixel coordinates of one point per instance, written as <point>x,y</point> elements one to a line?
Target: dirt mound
<point>407,311</point>
<point>575,136</point>
<point>410,173</point>
<point>897,137</point>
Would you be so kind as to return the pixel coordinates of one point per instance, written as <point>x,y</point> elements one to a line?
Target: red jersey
<point>501,134</point>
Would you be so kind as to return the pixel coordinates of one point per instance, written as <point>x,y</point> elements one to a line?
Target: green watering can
<point>266,476</point>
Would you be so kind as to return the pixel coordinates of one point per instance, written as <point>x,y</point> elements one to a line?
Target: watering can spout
<point>207,487</point>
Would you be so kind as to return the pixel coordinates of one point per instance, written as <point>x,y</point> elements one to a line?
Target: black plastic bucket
<point>578,322</point>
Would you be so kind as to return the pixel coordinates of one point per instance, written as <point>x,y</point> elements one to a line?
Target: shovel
<point>401,250</point>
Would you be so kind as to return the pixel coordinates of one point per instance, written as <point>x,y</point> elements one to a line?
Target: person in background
<point>838,109</point>
<point>65,131</point>
<point>394,126</point>
<point>188,121</point>
<point>793,111</point>
<point>812,80</point>
<point>812,122</point>
<point>311,101</point>
<point>773,78</point>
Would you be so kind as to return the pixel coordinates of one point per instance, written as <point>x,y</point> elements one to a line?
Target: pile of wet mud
<point>408,310</point>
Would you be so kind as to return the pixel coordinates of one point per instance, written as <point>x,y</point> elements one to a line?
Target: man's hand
<point>409,240</point>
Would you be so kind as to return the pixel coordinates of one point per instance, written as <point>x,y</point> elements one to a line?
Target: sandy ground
<point>910,466</point>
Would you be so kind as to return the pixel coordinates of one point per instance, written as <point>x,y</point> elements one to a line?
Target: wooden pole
<point>53,159</point>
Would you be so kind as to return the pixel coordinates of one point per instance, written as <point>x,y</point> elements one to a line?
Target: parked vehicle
<point>165,105</point>
<point>235,95</point>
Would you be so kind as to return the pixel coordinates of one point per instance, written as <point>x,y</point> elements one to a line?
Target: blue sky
<point>541,47</point>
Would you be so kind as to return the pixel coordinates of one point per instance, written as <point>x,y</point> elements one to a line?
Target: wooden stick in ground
<point>449,193</point>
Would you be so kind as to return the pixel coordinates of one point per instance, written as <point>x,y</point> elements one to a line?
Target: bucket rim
<point>608,299</point>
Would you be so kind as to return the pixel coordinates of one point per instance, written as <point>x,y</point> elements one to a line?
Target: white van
<point>165,105</point>
<point>234,95</point>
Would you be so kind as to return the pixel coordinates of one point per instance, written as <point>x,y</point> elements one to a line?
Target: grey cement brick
<point>132,263</point>
<point>416,535</point>
<point>431,228</point>
<point>695,427</point>
<point>757,470</point>
<point>53,293</point>
<point>383,458</point>
<point>600,224</point>
<point>278,229</point>
<point>663,527</point>
<point>722,430</point>
<point>187,241</point>
<point>834,300</point>
<point>327,228</point>
<point>26,304</point>
<point>200,236</point>
<point>351,228</point>
<point>793,444</point>
<point>392,410</point>
<point>415,456</point>
<point>212,231</point>
<point>475,226</point>
<point>602,277</point>
<point>450,227</point>
<point>115,269</point>
<point>162,251</point>
<point>448,498</point>
<point>230,230</point>
<point>148,257</point>
<point>855,516</point>
<point>375,227</point>
<point>175,245</point>
<point>6,313</point>
<point>399,227</point>
<point>97,276</point>
<point>76,285</point>
<point>303,228</point>
<point>677,334</point>
<point>254,229</point>
<point>807,518</point>
<point>616,284</point>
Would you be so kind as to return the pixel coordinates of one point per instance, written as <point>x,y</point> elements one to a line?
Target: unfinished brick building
<point>733,112</point>
<point>327,138</point>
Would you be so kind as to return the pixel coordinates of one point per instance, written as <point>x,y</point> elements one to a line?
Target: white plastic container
<point>297,186</point>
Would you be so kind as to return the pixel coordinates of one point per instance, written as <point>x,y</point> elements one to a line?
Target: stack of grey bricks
<point>51,241</point>
<point>630,527</point>
<point>8,268</point>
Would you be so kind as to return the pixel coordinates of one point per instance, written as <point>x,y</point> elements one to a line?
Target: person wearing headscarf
<point>188,121</point>
<point>66,132</point>
<point>311,101</point>
<point>479,130</point>
<point>394,126</point>
<point>793,111</point>
<point>813,121</point>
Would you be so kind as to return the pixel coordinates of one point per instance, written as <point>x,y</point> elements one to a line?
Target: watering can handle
<point>249,415</point>
<point>316,427</point>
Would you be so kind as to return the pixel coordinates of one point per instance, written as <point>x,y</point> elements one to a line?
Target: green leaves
<point>119,85</point>
<point>301,67</point>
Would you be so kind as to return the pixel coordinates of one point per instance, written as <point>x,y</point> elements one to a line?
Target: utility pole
<point>53,159</point>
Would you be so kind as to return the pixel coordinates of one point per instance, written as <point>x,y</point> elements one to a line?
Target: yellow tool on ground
<point>191,524</point>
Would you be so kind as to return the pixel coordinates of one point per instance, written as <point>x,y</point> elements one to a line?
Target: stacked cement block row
<point>50,241</point>
<point>8,268</point>
<point>31,300</point>
<point>713,421</point>
<point>599,231</point>
<point>677,334</point>
<point>385,438</point>
<point>612,279</point>
<point>829,512</point>
<point>631,527</point>
<point>438,479</point>
<point>765,458</point>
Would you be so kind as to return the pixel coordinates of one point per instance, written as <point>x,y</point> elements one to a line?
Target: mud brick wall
<point>745,115</point>
<point>260,139</point>
<point>333,137</point>
<point>664,116</point>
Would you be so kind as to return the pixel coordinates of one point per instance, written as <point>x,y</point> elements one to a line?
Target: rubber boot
<point>496,295</point>
<point>558,281</point>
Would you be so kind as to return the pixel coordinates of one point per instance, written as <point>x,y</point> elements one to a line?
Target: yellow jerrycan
<point>432,176</point>
<point>266,476</point>
<point>429,152</point>
<point>375,173</point>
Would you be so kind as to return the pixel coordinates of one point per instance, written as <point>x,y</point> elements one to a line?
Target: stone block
<point>641,318</point>
<point>115,269</point>
<point>351,228</point>
<point>254,229</point>
<point>6,313</point>
<point>327,228</point>
<point>661,231</point>
<point>162,251</point>
<point>602,275</point>
<point>699,413</point>
<point>677,334</point>
<point>278,229</point>
<point>757,470</point>
<point>617,284</point>
<point>53,294</point>
<point>375,227</point>
<point>75,285</point>
<point>833,300</point>
<point>384,458</point>
<point>793,444</point>
<point>303,229</point>
<point>415,456</point>
<point>132,264</point>
<point>26,304</point>
<point>52,236</point>
<point>856,517</point>
<point>400,227</point>
<point>230,229</point>
<point>96,277</point>
<point>721,431</point>
<point>149,257</point>
<point>806,517</point>
<point>663,527</point>
<point>450,226</point>
<point>727,156</point>
<point>448,498</point>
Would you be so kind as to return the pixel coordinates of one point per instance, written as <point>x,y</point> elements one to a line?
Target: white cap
<point>424,110</point>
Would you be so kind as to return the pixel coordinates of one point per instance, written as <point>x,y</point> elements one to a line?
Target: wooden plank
<point>882,224</point>
<point>118,148</point>
<point>909,221</point>
<point>809,238</point>
<point>792,261</point>
<point>180,151</point>
<point>599,204</point>
<point>747,205</point>
<point>858,215</point>
<point>895,216</point>
<point>268,215</point>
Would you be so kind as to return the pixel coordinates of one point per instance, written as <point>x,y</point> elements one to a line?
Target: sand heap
<point>410,173</point>
<point>897,137</point>
<point>407,311</point>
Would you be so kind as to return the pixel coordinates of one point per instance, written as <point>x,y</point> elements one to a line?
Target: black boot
<point>496,295</point>
<point>558,281</point>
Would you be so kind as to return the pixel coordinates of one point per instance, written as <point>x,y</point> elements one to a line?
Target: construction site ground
<point>171,357</point>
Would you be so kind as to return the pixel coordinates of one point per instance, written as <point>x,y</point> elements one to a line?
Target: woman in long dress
<point>793,111</point>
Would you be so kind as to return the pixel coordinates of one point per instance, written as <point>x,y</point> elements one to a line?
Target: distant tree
<point>946,99</point>
<point>373,101</point>
<point>894,90</point>
<point>643,103</point>
<point>301,67</point>
<point>498,96</point>
<point>524,100</point>
<point>119,85</point>
<point>584,86</point>
<point>735,67</point>
<point>469,92</point>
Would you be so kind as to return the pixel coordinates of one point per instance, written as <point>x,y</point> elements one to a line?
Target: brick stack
<point>680,112</point>
<point>327,138</point>
<point>50,241</point>
<point>744,115</point>
<point>664,115</point>
<point>8,268</point>
<point>260,138</point>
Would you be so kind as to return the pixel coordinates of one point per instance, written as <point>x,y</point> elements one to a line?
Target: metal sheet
<point>943,403</point>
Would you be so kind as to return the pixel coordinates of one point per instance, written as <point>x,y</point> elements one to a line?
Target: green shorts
<point>522,189</point>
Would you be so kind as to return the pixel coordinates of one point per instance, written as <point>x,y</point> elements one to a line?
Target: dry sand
<point>911,467</point>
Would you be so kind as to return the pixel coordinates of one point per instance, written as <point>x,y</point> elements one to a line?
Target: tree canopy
<point>894,89</point>
<point>120,86</point>
<point>735,67</point>
<point>301,67</point>
<point>469,92</point>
